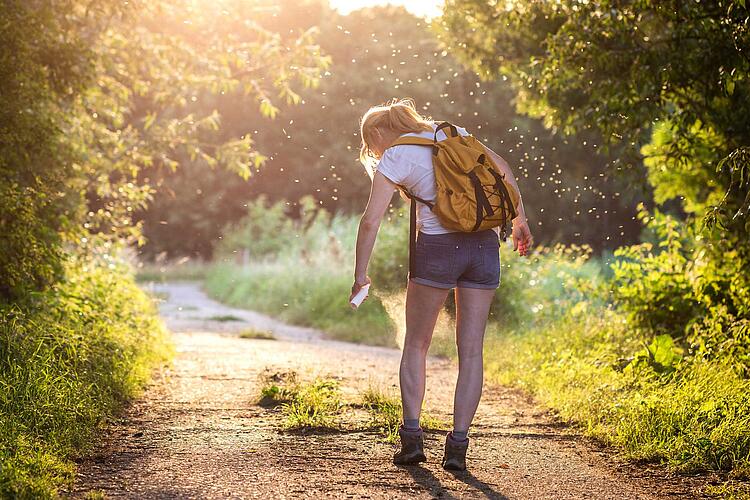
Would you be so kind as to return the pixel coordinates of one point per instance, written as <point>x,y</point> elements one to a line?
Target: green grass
<point>278,388</point>
<point>318,405</point>
<point>314,295</point>
<point>257,334</point>
<point>697,418</point>
<point>315,405</point>
<point>311,405</point>
<point>181,270</point>
<point>67,363</point>
<point>730,490</point>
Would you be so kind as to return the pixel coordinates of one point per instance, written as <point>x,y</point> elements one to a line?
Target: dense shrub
<point>67,362</point>
<point>675,284</point>
<point>653,282</point>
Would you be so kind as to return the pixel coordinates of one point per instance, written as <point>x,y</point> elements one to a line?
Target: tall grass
<point>694,418</point>
<point>67,362</point>
<point>305,280</point>
<point>302,272</point>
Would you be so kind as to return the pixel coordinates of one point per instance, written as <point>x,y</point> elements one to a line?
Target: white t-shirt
<point>411,167</point>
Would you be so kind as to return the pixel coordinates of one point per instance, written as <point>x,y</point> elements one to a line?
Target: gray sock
<point>411,424</point>
<point>460,435</point>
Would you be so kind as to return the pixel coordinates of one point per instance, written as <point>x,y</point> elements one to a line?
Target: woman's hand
<point>357,286</point>
<point>522,239</point>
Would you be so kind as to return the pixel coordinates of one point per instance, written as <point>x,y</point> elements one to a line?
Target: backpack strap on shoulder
<point>450,126</point>
<point>410,140</point>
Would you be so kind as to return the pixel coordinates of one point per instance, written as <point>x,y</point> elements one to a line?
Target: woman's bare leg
<point>472,309</point>
<point>423,305</point>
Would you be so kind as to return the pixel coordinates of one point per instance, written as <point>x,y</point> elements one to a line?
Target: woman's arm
<point>380,197</point>
<point>522,238</point>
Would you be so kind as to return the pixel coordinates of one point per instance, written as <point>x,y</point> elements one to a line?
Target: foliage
<point>181,270</point>
<point>377,54</point>
<point>653,283</point>
<point>543,285</point>
<point>668,80</point>
<point>92,93</point>
<point>301,270</point>
<point>389,263</point>
<point>267,229</point>
<point>67,363</point>
<point>314,404</point>
<point>300,273</point>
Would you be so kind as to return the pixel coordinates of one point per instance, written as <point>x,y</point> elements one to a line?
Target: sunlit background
<point>418,8</point>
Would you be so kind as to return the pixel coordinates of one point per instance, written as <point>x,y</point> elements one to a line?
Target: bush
<point>653,283</point>
<point>67,363</point>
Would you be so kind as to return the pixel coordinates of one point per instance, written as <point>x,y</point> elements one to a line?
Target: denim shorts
<point>459,259</point>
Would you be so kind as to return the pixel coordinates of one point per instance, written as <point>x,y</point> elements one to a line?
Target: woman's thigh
<point>423,304</point>
<point>472,310</point>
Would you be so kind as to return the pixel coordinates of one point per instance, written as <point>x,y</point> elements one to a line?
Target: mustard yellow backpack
<point>471,194</point>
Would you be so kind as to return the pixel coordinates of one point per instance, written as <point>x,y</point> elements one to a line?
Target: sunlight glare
<point>423,8</point>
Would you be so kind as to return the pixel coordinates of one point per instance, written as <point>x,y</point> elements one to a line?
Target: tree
<point>667,80</point>
<point>94,92</point>
<point>377,54</point>
<point>670,76</point>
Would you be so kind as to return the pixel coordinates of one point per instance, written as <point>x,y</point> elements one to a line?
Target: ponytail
<point>398,115</point>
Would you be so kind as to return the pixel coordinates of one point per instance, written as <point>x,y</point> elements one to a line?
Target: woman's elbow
<point>369,223</point>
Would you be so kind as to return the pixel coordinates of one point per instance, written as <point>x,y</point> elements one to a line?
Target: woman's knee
<point>470,349</point>
<point>417,343</point>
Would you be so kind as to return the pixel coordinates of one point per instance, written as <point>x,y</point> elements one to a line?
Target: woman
<point>468,262</point>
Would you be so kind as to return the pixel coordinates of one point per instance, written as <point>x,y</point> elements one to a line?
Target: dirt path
<point>198,432</point>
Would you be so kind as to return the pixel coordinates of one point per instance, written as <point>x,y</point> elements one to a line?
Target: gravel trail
<point>198,431</point>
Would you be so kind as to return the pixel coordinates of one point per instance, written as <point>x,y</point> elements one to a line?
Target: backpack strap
<point>484,208</point>
<point>450,126</point>
<point>412,237</point>
<point>410,140</point>
<point>413,225</point>
<point>416,141</point>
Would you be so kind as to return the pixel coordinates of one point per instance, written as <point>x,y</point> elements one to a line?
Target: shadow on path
<point>425,478</point>
<point>469,478</point>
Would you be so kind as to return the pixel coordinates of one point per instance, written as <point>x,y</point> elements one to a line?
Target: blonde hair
<point>398,115</point>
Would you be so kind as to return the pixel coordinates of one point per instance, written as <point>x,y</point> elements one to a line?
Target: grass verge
<point>67,363</point>
<point>693,419</point>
